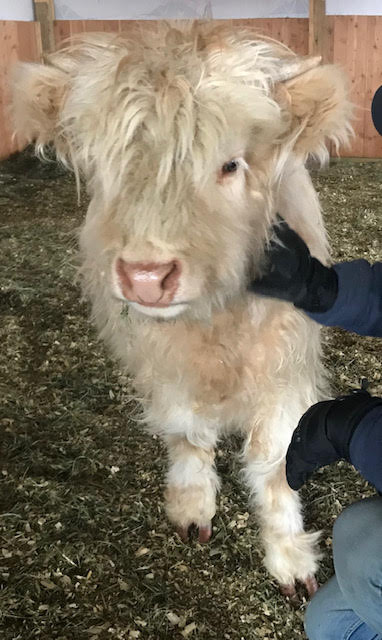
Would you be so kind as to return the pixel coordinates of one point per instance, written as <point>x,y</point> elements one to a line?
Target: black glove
<point>324,433</point>
<point>293,275</point>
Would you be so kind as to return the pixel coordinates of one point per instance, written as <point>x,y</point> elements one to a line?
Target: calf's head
<point>181,136</point>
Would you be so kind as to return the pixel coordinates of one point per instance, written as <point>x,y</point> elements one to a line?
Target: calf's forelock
<point>145,113</point>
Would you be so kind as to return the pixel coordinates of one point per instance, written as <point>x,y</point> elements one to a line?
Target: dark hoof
<point>289,592</point>
<point>203,534</point>
<point>311,585</point>
<point>183,533</point>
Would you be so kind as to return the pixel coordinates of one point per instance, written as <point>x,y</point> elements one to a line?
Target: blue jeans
<point>349,605</point>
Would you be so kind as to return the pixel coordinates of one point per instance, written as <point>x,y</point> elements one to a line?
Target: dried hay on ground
<point>86,551</point>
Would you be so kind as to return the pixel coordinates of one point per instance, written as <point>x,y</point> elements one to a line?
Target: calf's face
<point>182,224</point>
<point>181,139</point>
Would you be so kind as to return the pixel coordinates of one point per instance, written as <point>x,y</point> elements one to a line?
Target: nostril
<point>171,278</point>
<point>122,269</point>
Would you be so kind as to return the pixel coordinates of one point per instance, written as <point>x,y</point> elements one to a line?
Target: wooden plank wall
<point>357,46</point>
<point>355,42</point>
<point>18,41</point>
<point>291,31</point>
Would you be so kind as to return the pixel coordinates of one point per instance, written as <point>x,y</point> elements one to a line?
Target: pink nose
<point>151,284</point>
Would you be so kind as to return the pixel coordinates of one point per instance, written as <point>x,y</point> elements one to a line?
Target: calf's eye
<point>230,167</point>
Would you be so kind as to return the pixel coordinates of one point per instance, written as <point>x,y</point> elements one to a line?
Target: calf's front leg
<point>290,552</point>
<point>192,484</point>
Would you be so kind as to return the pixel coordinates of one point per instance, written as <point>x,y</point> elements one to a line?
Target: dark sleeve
<point>358,306</point>
<point>366,447</point>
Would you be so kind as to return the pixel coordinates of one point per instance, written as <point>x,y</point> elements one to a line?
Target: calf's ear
<point>38,94</point>
<point>320,110</point>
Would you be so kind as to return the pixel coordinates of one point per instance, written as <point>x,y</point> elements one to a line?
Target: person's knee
<point>357,544</point>
<point>322,616</point>
<point>357,520</point>
<point>314,620</point>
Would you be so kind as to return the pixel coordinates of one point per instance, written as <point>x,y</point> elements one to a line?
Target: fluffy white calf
<point>190,141</point>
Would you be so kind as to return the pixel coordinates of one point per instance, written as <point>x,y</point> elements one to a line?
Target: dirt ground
<point>86,551</point>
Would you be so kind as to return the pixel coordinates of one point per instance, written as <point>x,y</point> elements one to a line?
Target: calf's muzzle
<point>148,283</point>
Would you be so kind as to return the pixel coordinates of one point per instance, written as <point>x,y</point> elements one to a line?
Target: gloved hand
<point>324,433</point>
<point>293,275</point>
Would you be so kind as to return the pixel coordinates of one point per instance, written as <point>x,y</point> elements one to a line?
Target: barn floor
<point>86,550</point>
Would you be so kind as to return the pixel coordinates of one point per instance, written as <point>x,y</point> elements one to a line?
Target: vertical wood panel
<point>18,41</point>
<point>61,30</point>
<point>343,54</point>
<point>372,142</point>
<point>297,36</point>
<point>44,14</point>
<point>329,57</point>
<point>8,39</point>
<point>111,26</point>
<point>293,32</point>
<point>351,51</point>
<point>77,26</point>
<point>94,25</point>
<point>127,25</point>
<point>317,28</point>
<point>29,41</point>
<point>358,52</point>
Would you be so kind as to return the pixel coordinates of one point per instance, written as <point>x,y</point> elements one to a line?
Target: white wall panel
<point>16,10</point>
<point>152,9</point>
<point>354,7</point>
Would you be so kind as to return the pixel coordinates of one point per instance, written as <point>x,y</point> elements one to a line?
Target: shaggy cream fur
<point>149,120</point>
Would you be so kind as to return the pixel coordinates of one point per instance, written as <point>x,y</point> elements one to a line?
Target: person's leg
<point>328,617</point>
<point>357,553</point>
